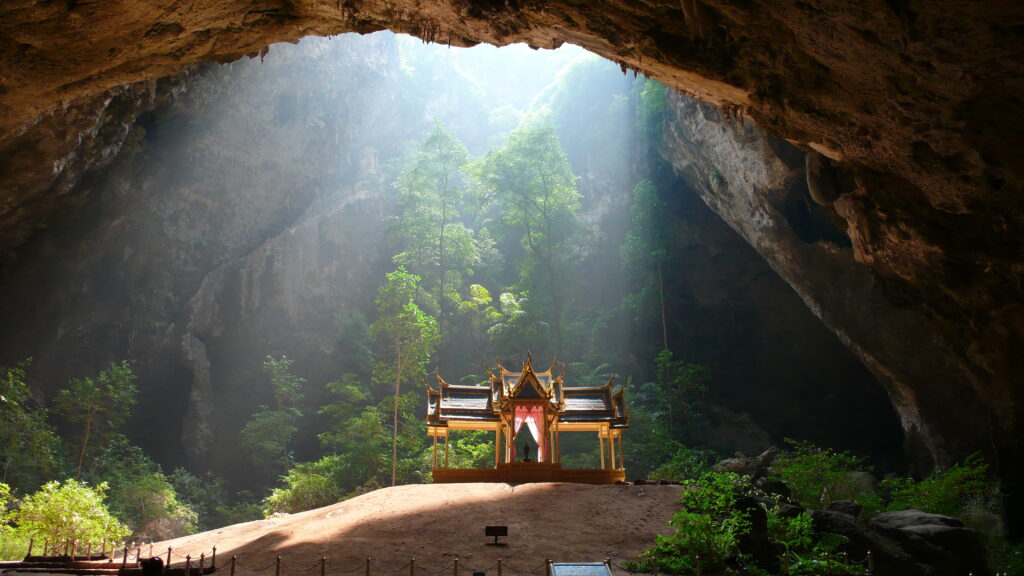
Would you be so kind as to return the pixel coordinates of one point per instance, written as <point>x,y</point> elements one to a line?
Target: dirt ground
<point>436,523</point>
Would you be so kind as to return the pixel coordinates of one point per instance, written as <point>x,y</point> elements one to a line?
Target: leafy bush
<point>944,491</point>
<point>141,495</point>
<point>708,525</point>
<point>310,485</point>
<point>686,464</point>
<point>804,551</point>
<point>71,509</point>
<point>817,476</point>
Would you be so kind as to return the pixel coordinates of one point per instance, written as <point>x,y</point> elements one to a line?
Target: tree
<point>531,176</point>
<point>430,192</point>
<point>69,510</point>
<point>266,437</point>
<point>28,445</point>
<point>409,336</point>
<point>101,405</point>
<point>141,495</point>
<point>646,245</point>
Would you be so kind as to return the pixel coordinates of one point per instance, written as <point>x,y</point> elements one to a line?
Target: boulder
<point>848,507</point>
<point>945,541</point>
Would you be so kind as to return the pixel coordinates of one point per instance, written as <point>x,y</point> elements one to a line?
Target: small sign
<point>580,569</point>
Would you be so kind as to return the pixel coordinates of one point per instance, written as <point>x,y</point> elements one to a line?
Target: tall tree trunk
<point>440,259</point>
<point>664,321</point>
<point>85,443</point>
<point>394,436</point>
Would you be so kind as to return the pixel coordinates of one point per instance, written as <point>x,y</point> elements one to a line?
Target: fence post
<point>547,567</point>
<point>124,558</point>
<point>188,564</point>
<point>499,565</point>
<point>213,559</point>
<point>233,559</point>
<point>368,566</point>
<point>871,562</point>
<point>323,565</point>
<point>455,566</point>
<point>88,551</point>
<point>150,548</point>
<point>138,554</point>
<point>699,571</point>
<point>168,558</point>
<point>202,562</point>
<point>277,567</point>
<point>412,566</point>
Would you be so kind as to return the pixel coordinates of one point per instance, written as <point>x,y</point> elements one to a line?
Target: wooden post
<point>412,566</point>
<point>124,559</point>
<point>622,452</point>
<point>150,548</point>
<point>46,543</point>
<point>138,554</point>
<point>188,564</point>
<point>600,443</point>
<point>455,566</point>
<point>88,550</point>
<point>168,557</point>
<point>323,565</point>
<point>699,571</point>
<point>871,562</point>
<point>497,443</point>
<point>547,567</point>
<point>277,567</point>
<point>202,562</point>
<point>67,545</point>
<point>368,566</point>
<point>446,450</point>
<point>234,559</point>
<point>213,559</point>
<point>499,565</point>
<point>435,449</point>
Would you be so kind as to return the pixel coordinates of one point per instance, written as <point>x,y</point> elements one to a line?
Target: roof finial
<point>529,359</point>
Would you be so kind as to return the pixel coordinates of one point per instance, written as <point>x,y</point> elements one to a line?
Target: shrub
<point>944,491</point>
<point>685,464</point>
<point>708,525</point>
<point>310,485</point>
<point>71,509</point>
<point>817,476</point>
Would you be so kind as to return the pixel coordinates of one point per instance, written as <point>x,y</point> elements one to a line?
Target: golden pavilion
<point>540,402</point>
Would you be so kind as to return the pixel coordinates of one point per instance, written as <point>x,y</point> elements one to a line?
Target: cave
<point>885,193</point>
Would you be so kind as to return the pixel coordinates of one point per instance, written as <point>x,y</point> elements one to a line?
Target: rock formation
<point>915,105</point>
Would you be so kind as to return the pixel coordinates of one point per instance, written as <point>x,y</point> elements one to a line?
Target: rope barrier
<point>401,568</point>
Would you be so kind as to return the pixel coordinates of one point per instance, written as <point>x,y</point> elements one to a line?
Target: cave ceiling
<point>912,110</point>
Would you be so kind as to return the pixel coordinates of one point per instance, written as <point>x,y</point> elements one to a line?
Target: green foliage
<point>818,476</point>
<point>532,181</point>
<point>266,437</point>
<point>804,550</point>
<point>204,495</point>
<point>651,108</point>
<point>310,485</point>
<point>947,491</point>
<point>29,447</point>
<point>71,509</point>
<point>708,524</point>
<point>471,449</point>
<point>686,464</point>
<point>244,508</point>
<point>409,337</point>
<point>682,387</point>
<point>1009,558</point>
<point>100,404</point>
<point>141,495</point>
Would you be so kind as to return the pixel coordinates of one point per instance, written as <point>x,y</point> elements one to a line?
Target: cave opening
<point>251,212</point>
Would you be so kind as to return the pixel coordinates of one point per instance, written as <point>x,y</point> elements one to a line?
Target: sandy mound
<point>435,523</point>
